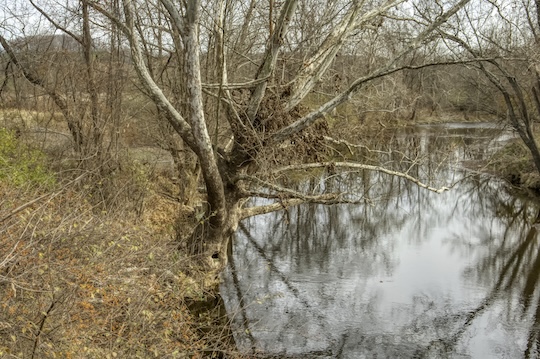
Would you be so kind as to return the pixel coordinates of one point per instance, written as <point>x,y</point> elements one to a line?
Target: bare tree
<point>261,62</point>
<point>263,114</point>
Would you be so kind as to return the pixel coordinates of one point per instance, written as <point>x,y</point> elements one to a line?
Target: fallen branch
<point>282,191</point>
<point>286,203</point>
<point>274,207</point>
<point>287,197</point>
<point>9,257</point>
<point>45,315</point>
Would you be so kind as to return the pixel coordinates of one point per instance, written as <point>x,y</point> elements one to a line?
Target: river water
<point>409,273</point>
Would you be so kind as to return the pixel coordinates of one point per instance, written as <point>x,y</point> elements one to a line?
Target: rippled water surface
<point>408,274</point>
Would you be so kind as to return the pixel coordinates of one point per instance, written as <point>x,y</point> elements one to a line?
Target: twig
<point>9,256</point>
<point>237,86</point>
<point>41,325</point>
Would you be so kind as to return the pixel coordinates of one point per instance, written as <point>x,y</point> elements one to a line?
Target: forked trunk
<point>212,243</point>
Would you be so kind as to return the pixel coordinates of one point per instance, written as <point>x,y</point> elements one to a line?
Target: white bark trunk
<point>177,121</point>
<point>268,66</point>
<point>389,68</point>
<point>320,61</point>
<point>203,144</point>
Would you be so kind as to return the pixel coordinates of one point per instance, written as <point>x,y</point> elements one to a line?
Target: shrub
<point>21,165</point>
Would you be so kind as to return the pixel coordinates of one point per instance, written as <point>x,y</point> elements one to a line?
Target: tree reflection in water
<point>410,274</point>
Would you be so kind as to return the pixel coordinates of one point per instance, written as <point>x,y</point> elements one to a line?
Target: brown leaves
<point>117,282</point>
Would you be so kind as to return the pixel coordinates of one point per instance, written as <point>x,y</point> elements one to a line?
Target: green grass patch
<point>21,165</point>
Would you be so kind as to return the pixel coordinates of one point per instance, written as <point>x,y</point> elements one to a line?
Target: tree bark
<point>91,82</point>
<point>203,144</point>
<point>272,51</point>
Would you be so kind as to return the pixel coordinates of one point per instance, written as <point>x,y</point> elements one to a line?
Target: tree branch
<point>177,121</point>
<point>59,99</point>
<point>286,203</point>
<point>360,166</point>
<point>176,18</point>
<point>237,86</point>
<point>321,60</point>
<point>310,118</point>
<point>350,145</point>
<point>287,197</point>
<point>268,65</point>
<point>110,16</point>
<point>277,206</point>
<point>390,68</point>
<point>204,150</point>
<point>282,192</point>
<point>57,25</point>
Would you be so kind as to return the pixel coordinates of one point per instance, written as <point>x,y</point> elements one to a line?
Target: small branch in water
<point>352,146</point>
<point>283,192</point>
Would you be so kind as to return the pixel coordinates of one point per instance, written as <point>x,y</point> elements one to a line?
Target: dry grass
<point>76,282</point>
<point>92,268</point>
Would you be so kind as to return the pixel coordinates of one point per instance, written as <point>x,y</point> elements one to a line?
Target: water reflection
<point>411,274</point>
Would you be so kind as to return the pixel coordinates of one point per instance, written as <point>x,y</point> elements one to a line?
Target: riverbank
<point>513,163</point>
<point>81,283</point>
<point>81,279</point>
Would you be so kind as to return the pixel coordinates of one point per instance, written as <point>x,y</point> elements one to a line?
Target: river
<point>409,273</point>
